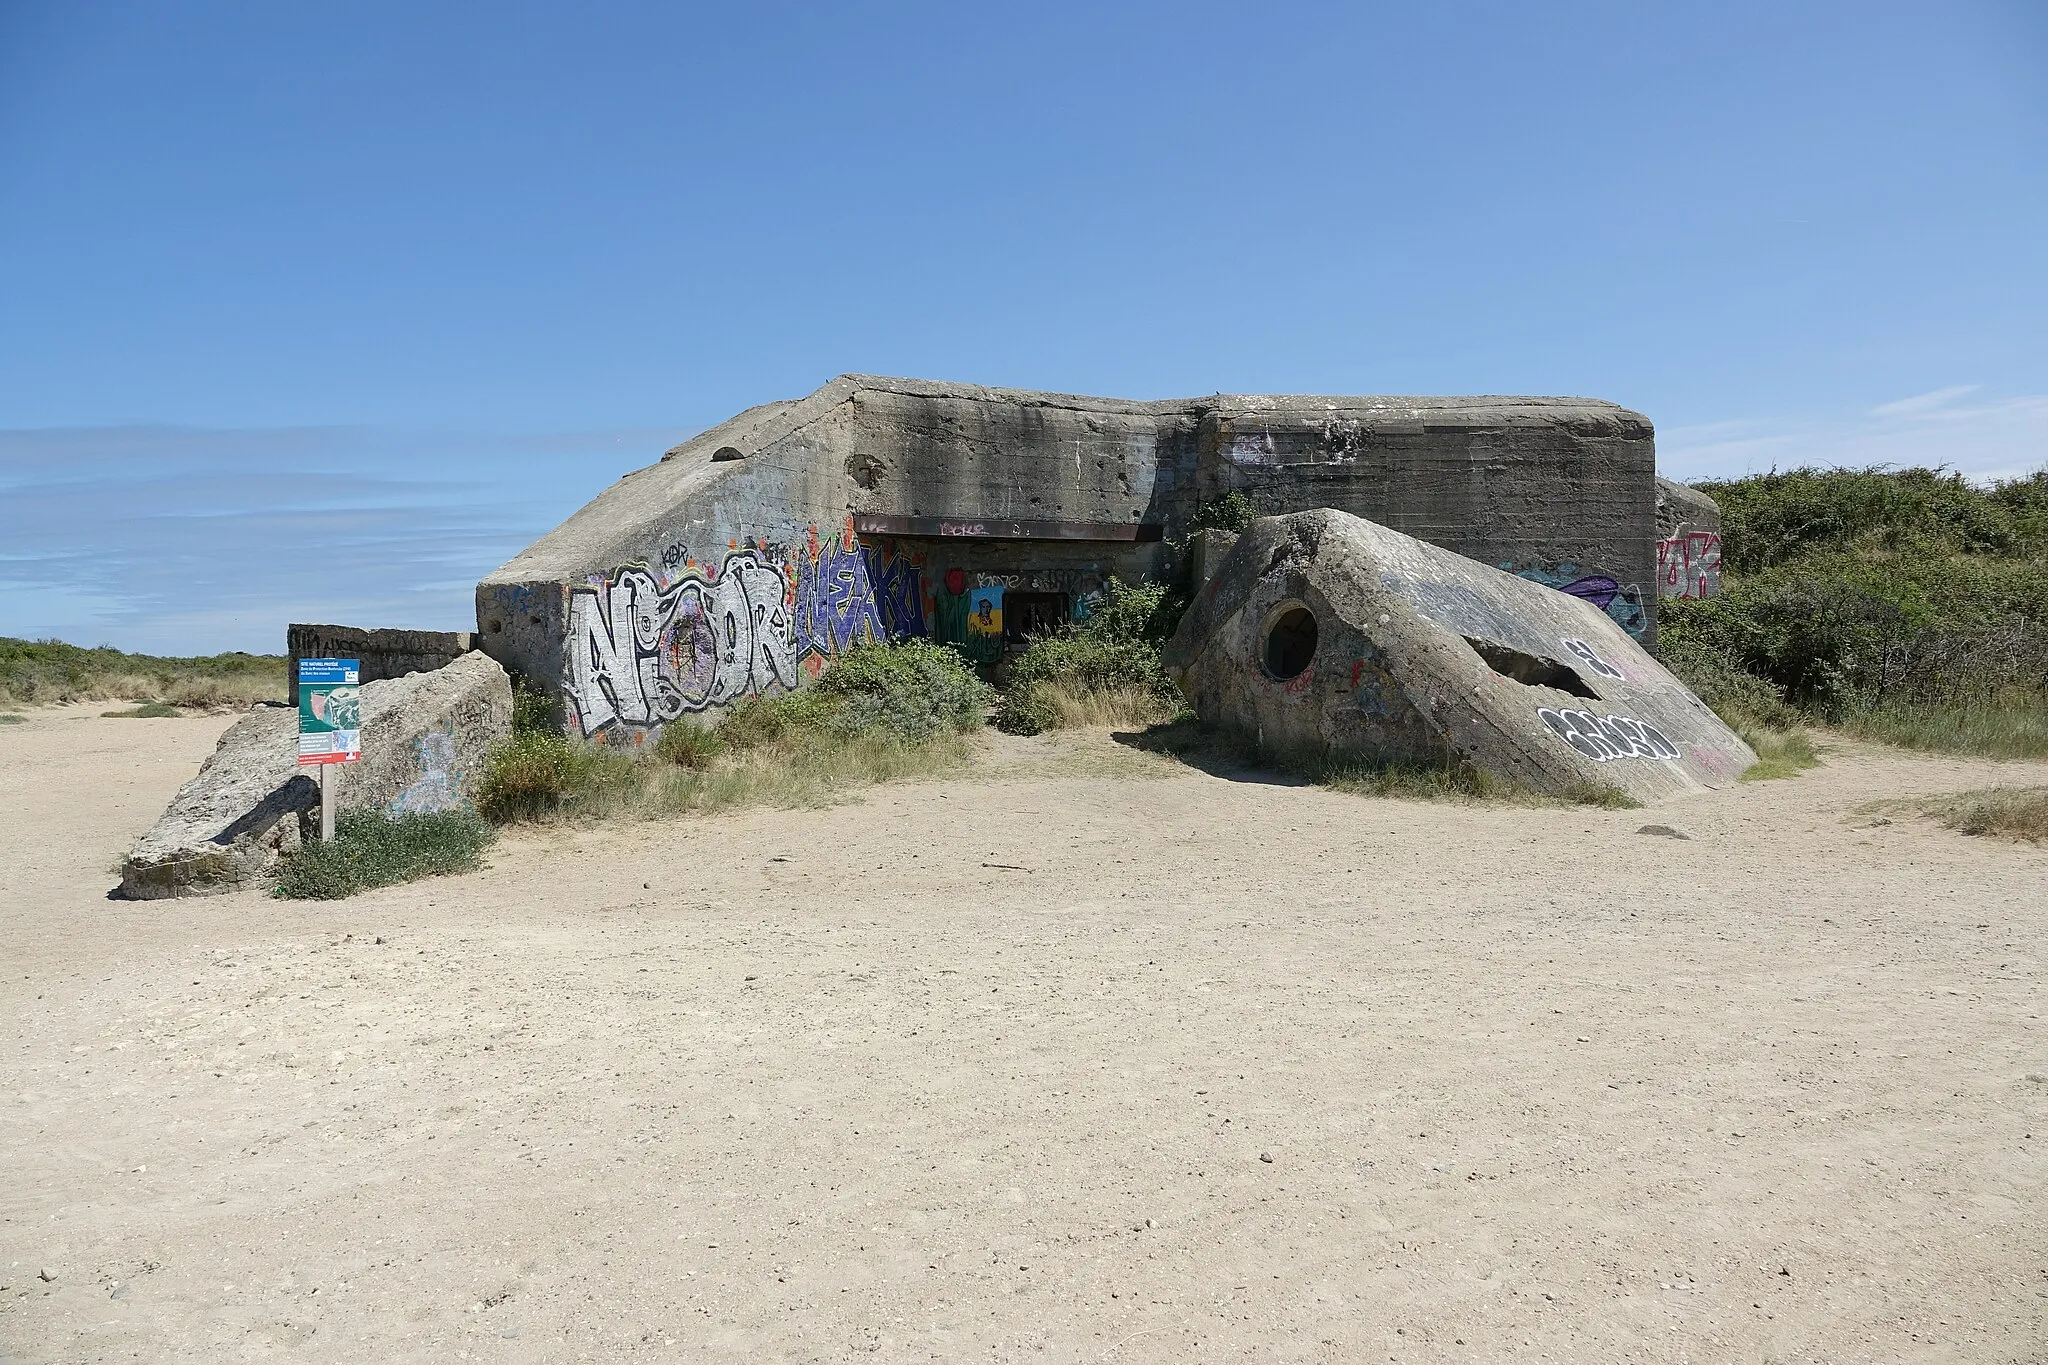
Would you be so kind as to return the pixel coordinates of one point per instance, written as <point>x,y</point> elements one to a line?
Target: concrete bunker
<point>1323,634</point>
<point>754,553</point>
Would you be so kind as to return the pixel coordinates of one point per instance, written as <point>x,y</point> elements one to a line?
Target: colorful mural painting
<point>1689,565</point>
<point>985,612</point>
<point>1623,605</point>
<point>645,649</point>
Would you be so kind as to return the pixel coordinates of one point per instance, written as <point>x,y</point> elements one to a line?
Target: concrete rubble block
<point>1325,635</point>
<point>424,740</point>
<point>380,654</point>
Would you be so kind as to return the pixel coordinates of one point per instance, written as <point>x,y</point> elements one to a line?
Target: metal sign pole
<point>327,795</point>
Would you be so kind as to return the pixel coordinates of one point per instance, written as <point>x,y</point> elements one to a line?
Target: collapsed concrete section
<point>1322,634</point>
<point>424,738</point>
<point>755,552</point>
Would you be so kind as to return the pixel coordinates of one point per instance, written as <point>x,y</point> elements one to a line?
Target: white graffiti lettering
<point>1603,738</point>
<point>641,654</point>
<point>1592,660</point>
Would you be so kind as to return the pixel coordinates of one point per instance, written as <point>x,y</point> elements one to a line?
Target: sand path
<point>1090,1058</point>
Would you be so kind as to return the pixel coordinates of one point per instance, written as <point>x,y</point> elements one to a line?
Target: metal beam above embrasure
<point>977,528</point>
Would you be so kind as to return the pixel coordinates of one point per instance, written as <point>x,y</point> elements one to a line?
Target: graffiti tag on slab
<point>1603,738</point>
<point>1593,661</point>
<point>1689,565</point>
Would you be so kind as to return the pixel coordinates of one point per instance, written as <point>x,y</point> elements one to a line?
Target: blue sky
<point>321,312</point>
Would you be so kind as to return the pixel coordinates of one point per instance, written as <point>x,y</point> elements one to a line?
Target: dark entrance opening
<point>1291,644</point>
<point>1027,615</point>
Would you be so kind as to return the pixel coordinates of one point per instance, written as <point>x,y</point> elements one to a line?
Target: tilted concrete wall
<point>1420,655</point>
<point>738,565</point>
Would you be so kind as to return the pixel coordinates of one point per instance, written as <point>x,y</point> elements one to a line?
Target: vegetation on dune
<point>371,849</point>
<point>2003,812</point>
<point>1104,670</point>
<point>1904,605</point>
<point>43,672</point>
<point>880,712</point>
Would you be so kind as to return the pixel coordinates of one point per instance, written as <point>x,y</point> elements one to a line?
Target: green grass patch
<point>372,849</point>
<point>1998,812</point>
<point>151,710</point>
<point>9,718</point>
<point>45,672</point>
<point>879,713</point>
<point>2017,729</point>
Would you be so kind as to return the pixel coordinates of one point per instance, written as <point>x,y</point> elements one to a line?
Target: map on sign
<point>330,711</point>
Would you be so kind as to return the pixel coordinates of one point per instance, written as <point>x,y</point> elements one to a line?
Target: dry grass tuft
<point>2001,812</point>
<point>1069,707</point>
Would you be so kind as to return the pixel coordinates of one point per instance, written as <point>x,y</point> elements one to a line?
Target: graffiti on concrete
<point>1592,660</point>
<point>642,652</point>
<point>847,592</point>
<point>1602,738</point>
<point>1624,605</point>
<point>434,790</point>
<point>1689,565</point>
<point>647,647</point>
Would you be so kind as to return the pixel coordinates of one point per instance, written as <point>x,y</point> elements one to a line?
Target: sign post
<point>330,726</point>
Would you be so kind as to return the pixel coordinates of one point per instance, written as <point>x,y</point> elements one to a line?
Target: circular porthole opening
<point>1290,643</point>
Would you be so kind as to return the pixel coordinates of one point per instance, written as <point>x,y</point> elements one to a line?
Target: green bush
<point>1232,512</point>
<point>912,689</point>
<point>534,774</point>
<point>373,849</point>
<point>535,710</point>
<point>1114,650</point>
<point>789,718</point>
<point>1907,605</point>
<point>1777,518</point>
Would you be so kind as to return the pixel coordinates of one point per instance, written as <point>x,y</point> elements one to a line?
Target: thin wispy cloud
<point>180,540</point>
<point>1925,402</point>
<point>1994,438</point>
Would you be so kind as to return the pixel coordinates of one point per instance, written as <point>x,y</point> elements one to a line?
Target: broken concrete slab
<point>1325,635</point>
<point>424,739</point>
<point>379,654</point>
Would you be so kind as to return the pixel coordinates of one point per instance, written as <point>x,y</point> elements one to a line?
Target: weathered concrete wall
<point>737,565</point>
<point>1688,541</point>
<point>424,740</point>
<point>384,653</point>
<point>1417,654</point>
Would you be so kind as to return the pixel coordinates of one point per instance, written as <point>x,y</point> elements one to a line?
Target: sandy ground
<point>1089,1058</point>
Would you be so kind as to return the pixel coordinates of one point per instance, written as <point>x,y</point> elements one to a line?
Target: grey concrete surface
<point>733,567</point>
<point>424,738</point>
<point>1414,654</point>
<point>383,653</point>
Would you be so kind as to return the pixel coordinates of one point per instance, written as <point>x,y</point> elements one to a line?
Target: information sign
<point>330,711</point>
